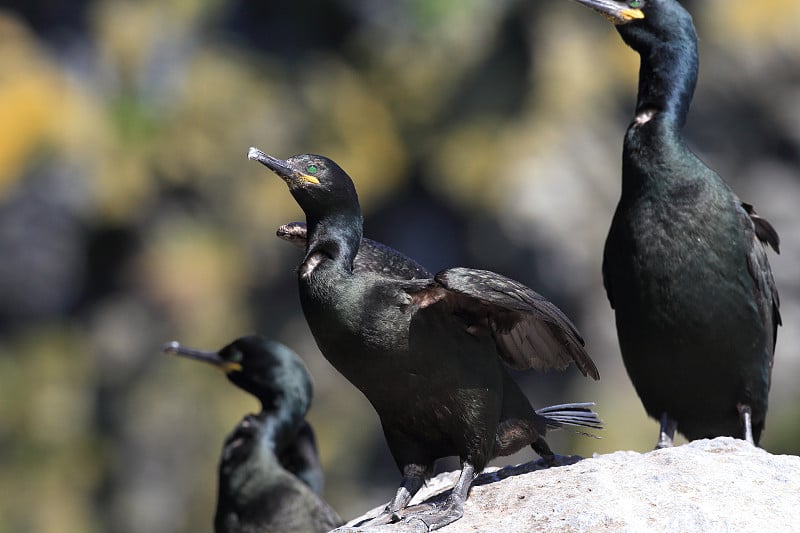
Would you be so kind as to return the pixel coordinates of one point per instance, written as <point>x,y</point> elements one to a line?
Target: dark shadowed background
<point>478,133</point>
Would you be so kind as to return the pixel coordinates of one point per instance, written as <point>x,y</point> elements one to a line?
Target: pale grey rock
<point>719,485</point>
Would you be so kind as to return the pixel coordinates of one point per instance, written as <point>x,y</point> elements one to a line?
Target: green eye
<point>635,3</point>
<point>312,169</point>
<point>235,356</point>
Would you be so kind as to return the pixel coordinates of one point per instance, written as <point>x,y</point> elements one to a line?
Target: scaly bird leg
<point>541,447</point>
<point>667,432</point>
<point>437,516</point>
<point>746,417</point>
<point>413,478</point>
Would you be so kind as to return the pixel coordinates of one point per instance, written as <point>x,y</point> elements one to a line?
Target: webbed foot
<point>432,516</point>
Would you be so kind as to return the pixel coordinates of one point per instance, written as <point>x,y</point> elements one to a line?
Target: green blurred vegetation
<point>485,134</point>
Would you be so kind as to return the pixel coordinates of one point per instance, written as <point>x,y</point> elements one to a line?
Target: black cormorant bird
<point>269,473</point>
<point>427,353</point>
<point>685,263</point>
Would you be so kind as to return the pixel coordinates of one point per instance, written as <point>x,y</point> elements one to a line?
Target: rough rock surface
<point>722,484</point>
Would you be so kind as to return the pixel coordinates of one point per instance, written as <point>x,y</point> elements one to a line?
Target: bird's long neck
<point>280,428</point>
<point>283,412</point>
<point>335,237</point>
<point>667,79</point>
<point>655,155</point>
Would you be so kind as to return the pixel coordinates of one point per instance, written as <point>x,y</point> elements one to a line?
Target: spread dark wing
<point>758,265</point>
<point>529,331</point>
<point>373,256</point>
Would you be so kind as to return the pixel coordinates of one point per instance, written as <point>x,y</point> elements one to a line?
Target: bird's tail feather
<point>571,414</point>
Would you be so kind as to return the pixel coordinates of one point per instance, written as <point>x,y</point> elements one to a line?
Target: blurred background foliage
<point>479,133</point>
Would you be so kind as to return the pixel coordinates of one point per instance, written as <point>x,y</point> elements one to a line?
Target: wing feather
<point>530,332</point>
<point>761,272</point>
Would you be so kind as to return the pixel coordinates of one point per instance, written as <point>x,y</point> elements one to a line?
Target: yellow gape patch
<point>230,366</point>
<point>632,14</point>
<point>307,178</point>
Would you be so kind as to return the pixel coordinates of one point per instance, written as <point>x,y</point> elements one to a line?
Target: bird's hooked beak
<point>293,232</point>
<point>280,167</point>
<point>616,12</point>
<point>175,348</point>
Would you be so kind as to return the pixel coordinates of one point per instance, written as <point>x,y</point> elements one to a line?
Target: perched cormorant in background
<point>372,256</point>
<point>427,353</point>
<point>685,263</point>
<point>269,473</point>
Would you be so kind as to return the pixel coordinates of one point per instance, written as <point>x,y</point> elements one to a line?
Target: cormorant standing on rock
<point>685,263</point>
<point>269,473</point>
<point>427,353</point>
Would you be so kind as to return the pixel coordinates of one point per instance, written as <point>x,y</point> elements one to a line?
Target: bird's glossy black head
<point>644,24</point>
<point>319,185</point>
<point>268,370</point>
